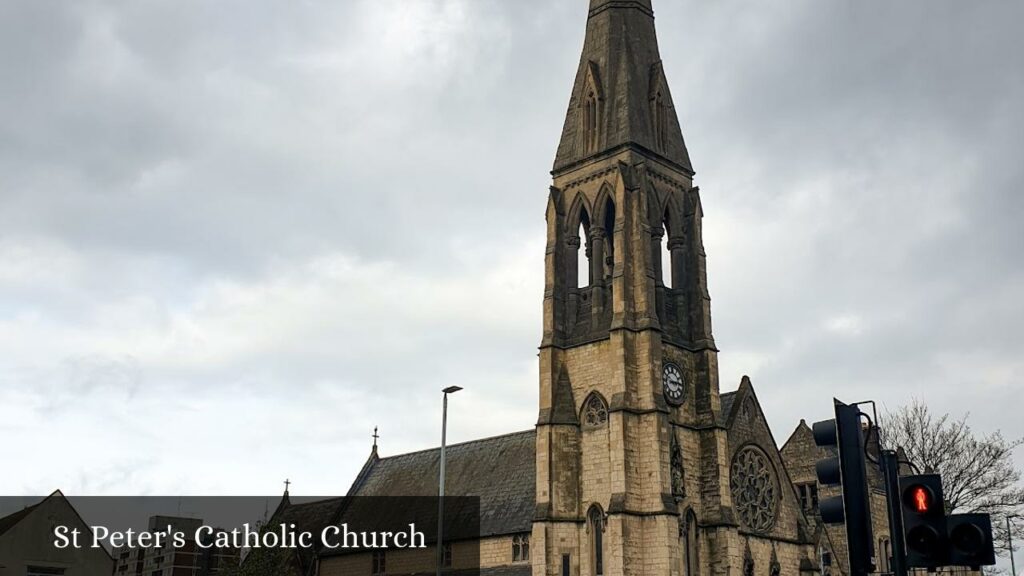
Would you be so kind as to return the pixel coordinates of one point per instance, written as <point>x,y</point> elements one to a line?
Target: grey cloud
<point>859,167</point>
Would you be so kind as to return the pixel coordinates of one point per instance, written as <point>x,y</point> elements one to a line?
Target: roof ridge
<point>315,502</point>
<point>449,446</point>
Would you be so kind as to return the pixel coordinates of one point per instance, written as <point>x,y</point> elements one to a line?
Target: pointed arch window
<point>748,564</point>
<point>591,120</point>
<point>521,548</point>
<point>774,568</point>
<point>689,537</point>
<point>590,110</point>
<point>379,561</point>
<point>659,119</point>
<point>665,256</point>
<point>825,558</point>
<point>582,245</point>
<point>595,411</point>
<point>596,525</point>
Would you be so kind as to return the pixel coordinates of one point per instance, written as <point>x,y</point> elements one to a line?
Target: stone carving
<point>678,486</point>
<point>755,491</point>
<point>595,413</point>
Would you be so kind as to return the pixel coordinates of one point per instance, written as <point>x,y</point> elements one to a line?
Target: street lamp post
<point>440,480</point>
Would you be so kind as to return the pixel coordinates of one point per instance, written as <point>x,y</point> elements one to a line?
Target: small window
<point>595,520</point>
<point>379,563</point>
<point>691,548</point>
<point>885,553</point>
<point>659,113</point>
<point>521,548</point>
<point>808,496</point>
<point>826,561</point>
<point>595,412</point>
<point>590,122</point>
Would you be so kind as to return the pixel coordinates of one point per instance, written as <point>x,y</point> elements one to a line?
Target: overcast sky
<point>235,236</point>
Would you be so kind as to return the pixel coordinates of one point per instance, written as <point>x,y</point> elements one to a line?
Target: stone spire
<point>620,97</point>
<point>642,4</point>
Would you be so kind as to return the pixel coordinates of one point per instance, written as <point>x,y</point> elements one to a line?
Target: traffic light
<point>848,470</point>
<point>924,520</point>
<point>970,540</point>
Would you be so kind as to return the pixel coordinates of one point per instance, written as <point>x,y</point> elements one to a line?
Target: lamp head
<point>451,389</point>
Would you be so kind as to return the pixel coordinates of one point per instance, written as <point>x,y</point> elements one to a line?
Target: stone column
<point>657,233</point>
<point>572,282</point>
<point>596,273</point>
<point>596,255</point>
<point>677,251</point>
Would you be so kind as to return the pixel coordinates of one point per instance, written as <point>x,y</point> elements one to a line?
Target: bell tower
<point>632,463</point>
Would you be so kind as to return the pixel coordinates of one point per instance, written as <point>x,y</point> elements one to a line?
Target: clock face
<point>672,381</point>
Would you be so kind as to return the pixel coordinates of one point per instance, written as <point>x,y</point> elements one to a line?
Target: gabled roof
<point>500,470</point>
<point>745,422</point>
<point>801,431</point>
<point>12,520</point>
<point>310,517</point>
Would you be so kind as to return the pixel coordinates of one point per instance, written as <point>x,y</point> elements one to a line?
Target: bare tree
<point>978,473</point>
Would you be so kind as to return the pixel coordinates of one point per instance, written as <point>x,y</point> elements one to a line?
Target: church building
<point>638,463</point>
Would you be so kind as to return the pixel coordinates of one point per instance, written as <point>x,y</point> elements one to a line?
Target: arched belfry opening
<point>582,243</point>
<point>588,259</point>
<point>665,252</point>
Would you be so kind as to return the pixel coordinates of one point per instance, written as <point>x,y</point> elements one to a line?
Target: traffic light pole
<point>891,471</point>
<point>848,470</point>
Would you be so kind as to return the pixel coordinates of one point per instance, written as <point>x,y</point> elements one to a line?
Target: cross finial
<point>375,436</point>
<point>287,483</point>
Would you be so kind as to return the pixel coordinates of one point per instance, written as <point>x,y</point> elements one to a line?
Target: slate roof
<point>11,520</point>
<point>727,400</point>
<point>310,516</point>
<point>500,470</point>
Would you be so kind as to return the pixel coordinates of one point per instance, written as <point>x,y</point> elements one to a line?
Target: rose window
<point>755,491</point>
